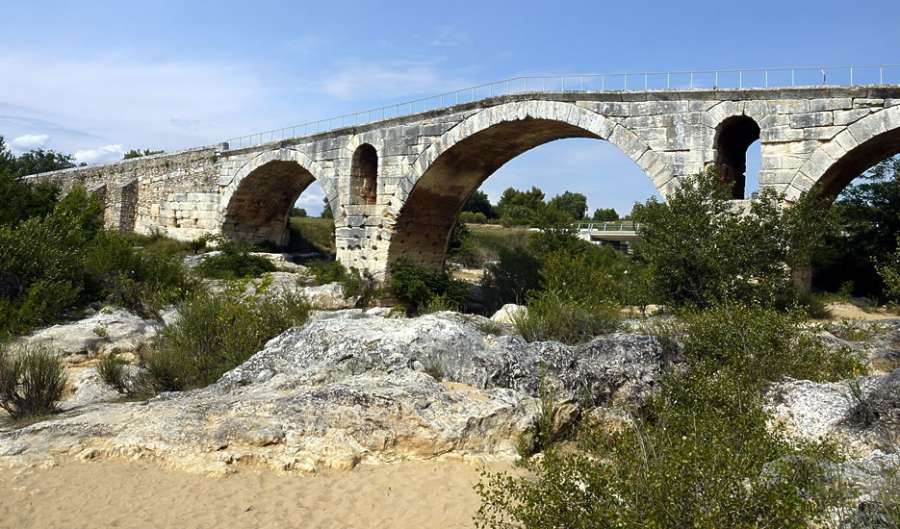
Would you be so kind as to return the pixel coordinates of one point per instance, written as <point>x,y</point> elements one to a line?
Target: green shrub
<point>510,280</point>
<point>703,250</point>
<point>473,217</point>
<point>235,262</point>
<point>217,332</point>
<point>699,453</point>
<point>416,286</point>
<point>112,371</point>
<point>31,382</point>
<point>143,281</point>
<point>553,316</point>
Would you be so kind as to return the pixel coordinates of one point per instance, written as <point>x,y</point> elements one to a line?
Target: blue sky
<point>97,78</point>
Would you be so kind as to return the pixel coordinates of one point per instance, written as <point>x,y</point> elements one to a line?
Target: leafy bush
<point>473,217</point>
<point>312,235</point>
<point>31,382</point>
<point>553,316</point>
<point>699,453</point>
<point>141,281</point>
<point>416,286</point>
<point>217,332</point>
<point>511,278</point>
<point>235,262</point>
<point>703,250</point>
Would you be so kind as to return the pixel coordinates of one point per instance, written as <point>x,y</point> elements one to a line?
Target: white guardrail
<point>747,78</point>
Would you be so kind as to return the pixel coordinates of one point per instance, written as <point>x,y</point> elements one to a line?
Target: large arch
<point>453,166</point>
<point>859,146</point>
<point>256,203</point>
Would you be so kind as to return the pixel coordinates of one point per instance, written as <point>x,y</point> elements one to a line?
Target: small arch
<point>733,137</point>
<point>364,176</point>
<point>258,209</point>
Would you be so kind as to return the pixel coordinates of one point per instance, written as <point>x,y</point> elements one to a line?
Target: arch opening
<point>856,161</point>
<point>364,176</point>
<point>734,136</point>
<point>424,225</point>
<point>260,207</point>
<point>864,213</point>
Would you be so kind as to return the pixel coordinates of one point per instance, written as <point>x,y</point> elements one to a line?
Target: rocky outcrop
<point>108,330</point>
<point>353,387</point>
<point>862,416</point>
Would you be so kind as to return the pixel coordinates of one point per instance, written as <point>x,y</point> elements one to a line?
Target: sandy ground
<point>847,311</point>
<point>119,494</point>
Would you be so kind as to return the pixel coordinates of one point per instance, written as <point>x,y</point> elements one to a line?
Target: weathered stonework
<point>428,163</point>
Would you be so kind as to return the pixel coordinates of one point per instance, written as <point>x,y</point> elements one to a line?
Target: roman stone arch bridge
<point>396,185</point>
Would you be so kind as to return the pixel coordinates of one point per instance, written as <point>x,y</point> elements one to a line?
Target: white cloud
<point>106,153</point>
<point>27,142</point>
<point>372,80</point>
<point>166,104</point>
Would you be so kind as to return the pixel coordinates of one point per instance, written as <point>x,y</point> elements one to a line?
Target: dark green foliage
<point>215,333</point>
<point>298,212</point>
<point>143,281</point>
<point>702,250</point>
<point>864,223</point>
<point>235,262</point>
<point>21,201</point>
<point>510,280</point>
<point>468,217</point>
<point>605,215</point>
<point>112,371</point>
<point>700,452</point>
<point>51,265</point>
<point>478,202</point>
<point>417,286</point>
<point>137,153</point>
<point>574,205</point>
<point>889,272</point>
<point>41,161</point>
<point>31,382</point>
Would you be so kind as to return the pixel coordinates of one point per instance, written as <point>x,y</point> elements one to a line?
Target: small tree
<point>702,249</point>
<point>573,204</point>
<point>605,215</point>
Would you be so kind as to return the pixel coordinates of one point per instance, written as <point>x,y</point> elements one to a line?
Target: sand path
<point>118,494</point>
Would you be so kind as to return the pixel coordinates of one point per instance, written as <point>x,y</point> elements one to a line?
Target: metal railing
<point>740,79</point>
<point>612,226</point>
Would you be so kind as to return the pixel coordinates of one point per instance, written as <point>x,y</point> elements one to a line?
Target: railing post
<point>851,76</point>
<point>881,75</point>
<point>792,77</point>
<point>645,82</point>
<point>668,80</point>
<point>717,79</point>
<point>740,79</point>
<point>692,80</point>
<point>767,78</point>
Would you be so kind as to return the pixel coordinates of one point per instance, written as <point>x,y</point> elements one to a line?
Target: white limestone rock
<point>341,391</point>
<point>509,313</point>
<point>109,330</point>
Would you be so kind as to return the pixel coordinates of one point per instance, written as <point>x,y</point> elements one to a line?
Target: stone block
<point>846,117</point>
<point>863,102</point>
<point>811,119</point>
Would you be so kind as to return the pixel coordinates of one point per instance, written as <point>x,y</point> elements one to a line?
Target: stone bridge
<point>395,186</point>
